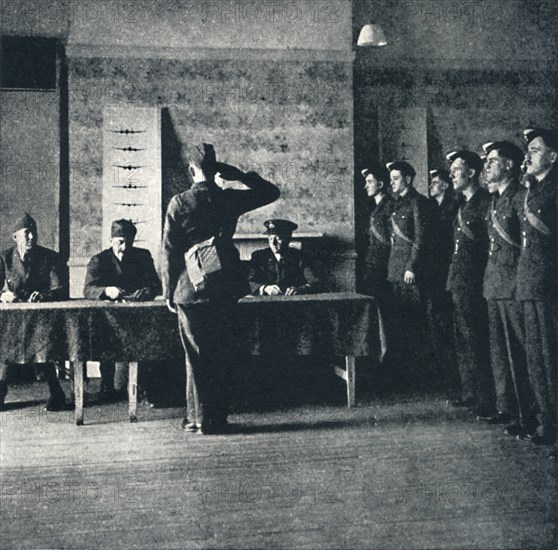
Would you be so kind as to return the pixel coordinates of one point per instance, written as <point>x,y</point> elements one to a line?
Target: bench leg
<point>79,368</point>
<point>133,390</point>
<point>350,364</point>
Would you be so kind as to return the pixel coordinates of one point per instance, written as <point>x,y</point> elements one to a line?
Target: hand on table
<point>36,297</point>
<point>271,290</point>
<point>8,297</point>
<point>291,291</point>
<point>409,277</point>
<point>113,292</point>
<point>140,295</point>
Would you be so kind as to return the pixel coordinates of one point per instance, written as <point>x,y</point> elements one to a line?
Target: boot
<point>57,399</point>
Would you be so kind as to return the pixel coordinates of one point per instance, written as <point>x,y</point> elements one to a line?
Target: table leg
<point>79,368</point>
<point>133,390</point>
<point>350,364</point>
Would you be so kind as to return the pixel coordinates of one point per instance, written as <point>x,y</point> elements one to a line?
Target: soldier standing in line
<point>379,232</point>
<point>407,273</point>
<point>536,275</point>
<point>506,330</point>
<point>465,282</point>
<point>444,203</point>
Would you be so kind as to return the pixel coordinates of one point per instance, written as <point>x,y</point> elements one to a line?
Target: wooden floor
<point>383,475</point>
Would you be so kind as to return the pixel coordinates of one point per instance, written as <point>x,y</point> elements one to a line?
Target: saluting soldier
<point>536,275</point>
<point>440,317</point>
<point>410,222</point>
<point>465,282</point>
<point>514,399</point>
<point>31,273</point>
<point>203,279</point>
<point>280,268</point>
<point>379,232</point>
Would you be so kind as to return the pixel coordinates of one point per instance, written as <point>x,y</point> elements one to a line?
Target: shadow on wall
<point>175,174</point>
<point>436,153</point>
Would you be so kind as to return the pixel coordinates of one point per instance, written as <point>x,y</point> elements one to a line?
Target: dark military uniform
<point>465,282</point>
<point>136,271</point>
<point>536,292</point>
<point>410,222</point>
<point>379,246</point>
<point>292,271</point>
<point>202,212</point>
<point>440,314</point>
<point>39,272</point>
<point>506,329</point>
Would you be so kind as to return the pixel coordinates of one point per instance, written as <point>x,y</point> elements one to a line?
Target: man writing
<point>122,271</point>
<point>280,269</point>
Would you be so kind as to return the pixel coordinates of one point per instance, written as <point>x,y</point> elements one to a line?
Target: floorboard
<point>384,475</point>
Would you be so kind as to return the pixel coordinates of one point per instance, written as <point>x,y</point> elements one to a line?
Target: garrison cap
<point>123,228</point>
<point>548,136</point>
<point>506,149</point>
<point>25,222</point>
<point>279,227</point>
<point>378,171</point>
<point>440,173</point>
<point>404,167</point>
<point>472,159</point>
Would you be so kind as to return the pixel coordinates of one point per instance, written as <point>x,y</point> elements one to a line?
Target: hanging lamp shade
<point>372,35</point>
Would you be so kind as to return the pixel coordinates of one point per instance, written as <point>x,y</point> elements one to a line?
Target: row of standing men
<point>466,279</point>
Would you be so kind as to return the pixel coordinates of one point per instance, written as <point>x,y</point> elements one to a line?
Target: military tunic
<point>506,328</point>
<point>465,280</point>
<point>406,315</point>
<point>440,315</point>
<point>206,320</point>
<point>292,271</point>
<point>536,292</point>
<point>379,245</point>
<point>41,271</point>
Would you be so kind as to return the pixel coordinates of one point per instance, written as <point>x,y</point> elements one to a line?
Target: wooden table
<point>337,324</point>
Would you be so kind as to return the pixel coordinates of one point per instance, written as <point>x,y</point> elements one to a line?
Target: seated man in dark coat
<point>31,273</point>
<point>280,269</point>
<point>122,272</point>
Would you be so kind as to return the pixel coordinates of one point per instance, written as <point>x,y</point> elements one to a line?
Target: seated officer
<point>122,272</point>
<point>31,273</point>
<point>280,269</point>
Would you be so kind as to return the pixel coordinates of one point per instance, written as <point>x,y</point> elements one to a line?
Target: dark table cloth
<point>337,324</point>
